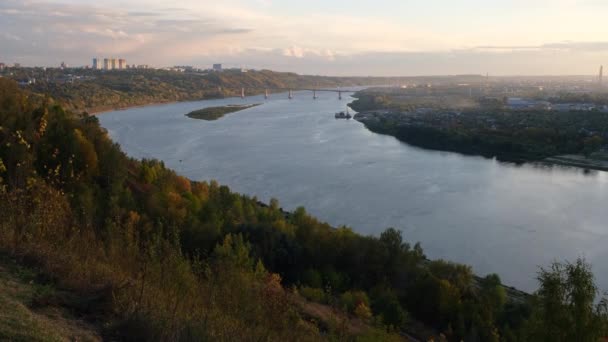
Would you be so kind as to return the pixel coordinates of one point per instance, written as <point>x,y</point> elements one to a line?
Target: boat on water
<point>343,115</point>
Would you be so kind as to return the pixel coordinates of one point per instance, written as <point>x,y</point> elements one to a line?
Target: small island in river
<point>214,113</point>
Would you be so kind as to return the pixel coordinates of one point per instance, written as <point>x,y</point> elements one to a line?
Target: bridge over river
<point>290,91</point>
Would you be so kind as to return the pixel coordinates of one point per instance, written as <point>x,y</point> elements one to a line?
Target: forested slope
<point>159,257</point>
<point>95,90</point>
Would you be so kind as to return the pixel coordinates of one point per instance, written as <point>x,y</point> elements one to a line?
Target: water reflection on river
<point>497,217</point>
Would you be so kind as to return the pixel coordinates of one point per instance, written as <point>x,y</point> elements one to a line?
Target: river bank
<point>579,161</point>
<point>439,139</point>
<point>514,294</point>
<point>477,211</point>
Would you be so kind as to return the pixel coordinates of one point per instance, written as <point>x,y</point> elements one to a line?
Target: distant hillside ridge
<point>97,91</point>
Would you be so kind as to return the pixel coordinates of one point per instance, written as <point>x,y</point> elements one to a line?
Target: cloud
<point>143,14</point>
<point>299,52</point>
<point>293,51</point>
<point>506,48</point>
<point>77,32</point>
<point>8,36</point>
<point>565,46</point>
<point>580,46</point>
<point>256,34</point>
<point>234,31</point>
<point>105,32</point>
<point>214,30</point>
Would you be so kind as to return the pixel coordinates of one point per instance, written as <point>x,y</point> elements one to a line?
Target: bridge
<point>290,91</point>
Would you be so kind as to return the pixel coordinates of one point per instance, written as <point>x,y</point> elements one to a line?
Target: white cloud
<point>299,52</point>
<point>201,32</point>
<point>9,36</point>
<point>293,51</point>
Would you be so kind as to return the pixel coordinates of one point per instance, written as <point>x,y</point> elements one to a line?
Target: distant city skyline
<point>333,37</point>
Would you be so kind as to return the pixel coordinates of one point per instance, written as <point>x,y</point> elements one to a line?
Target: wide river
<point>499,218</point>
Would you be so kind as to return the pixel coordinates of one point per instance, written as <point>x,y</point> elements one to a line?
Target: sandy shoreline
<point>578,161</point>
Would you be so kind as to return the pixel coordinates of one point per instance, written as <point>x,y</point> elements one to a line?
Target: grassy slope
<point>29,311</point>
<point>33,310</point>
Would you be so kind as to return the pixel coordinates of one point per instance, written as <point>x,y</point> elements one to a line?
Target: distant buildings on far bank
<point>121,64</point>
<point>6,66</point>
<point>114,64</point>
<point>108,64</point>
<point>218,67</point>
<point>517,103</point>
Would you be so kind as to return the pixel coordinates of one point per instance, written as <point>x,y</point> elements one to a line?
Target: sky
<point>325,37</point>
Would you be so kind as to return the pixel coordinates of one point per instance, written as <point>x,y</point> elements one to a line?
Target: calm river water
<point>497,217</point>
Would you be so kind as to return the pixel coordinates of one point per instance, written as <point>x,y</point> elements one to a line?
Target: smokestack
<point>601,74</point>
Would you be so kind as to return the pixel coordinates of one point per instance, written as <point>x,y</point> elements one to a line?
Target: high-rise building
<point>2,66</point>
<point>122,64</point>
<point>106,64</point>
<point>601,75</point>
<point>217,67</point>
<point>96,64</point>
<point>114,63</point>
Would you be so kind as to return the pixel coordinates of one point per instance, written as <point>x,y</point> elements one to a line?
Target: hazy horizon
<point>339,38</point>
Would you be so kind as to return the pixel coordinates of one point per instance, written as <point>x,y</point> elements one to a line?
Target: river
<point>497,217</point>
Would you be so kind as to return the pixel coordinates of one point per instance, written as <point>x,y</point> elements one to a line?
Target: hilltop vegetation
<point>155,256</point>
<point>94,90</point>
<point>98,90</point>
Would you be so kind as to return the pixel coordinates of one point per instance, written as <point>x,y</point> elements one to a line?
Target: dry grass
<point>27,314</point>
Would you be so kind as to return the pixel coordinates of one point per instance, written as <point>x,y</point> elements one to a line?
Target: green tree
<point>565,308</point>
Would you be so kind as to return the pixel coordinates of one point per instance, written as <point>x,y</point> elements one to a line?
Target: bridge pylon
<point>340,95</point>
<point>314,94</point>
<point>266,94</point>
<point>290,94</point>
<point>242,93</point>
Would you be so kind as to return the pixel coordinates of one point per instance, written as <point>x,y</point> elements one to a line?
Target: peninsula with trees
<point>449,118</point>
